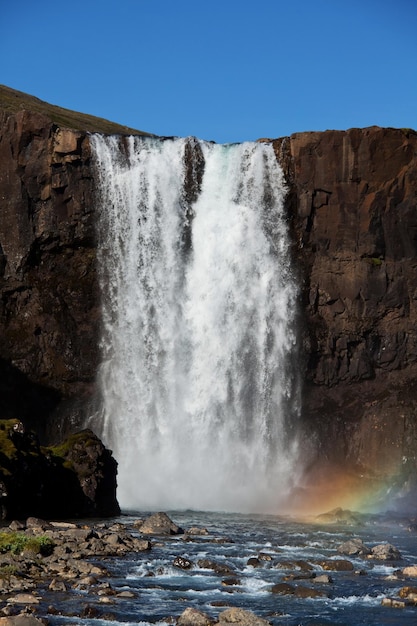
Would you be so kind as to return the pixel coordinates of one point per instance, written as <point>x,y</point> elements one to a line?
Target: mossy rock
<point>76,478</point>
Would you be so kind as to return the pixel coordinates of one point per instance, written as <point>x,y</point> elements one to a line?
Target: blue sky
<point>224,70</point>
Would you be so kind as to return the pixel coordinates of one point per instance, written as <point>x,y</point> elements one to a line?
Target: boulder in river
<point>410,571</point>
<point>241,617</point>
<point>160,524</point>
<point>354,547</point>
<point>385,552</point>
<point>193,617</point>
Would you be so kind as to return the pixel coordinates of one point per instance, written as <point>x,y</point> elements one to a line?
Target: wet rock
<point>283,589</point>
<point>193,617</point>
<point>354,547</point>
<point>125,594</point>
<point>323,579</point>
<point>299,576</point>
<point>182,563</point>
<point>232,581</point>
<point>195,530</point>
<point>410,571</point>
<point>304,566</point>
<point>308,592</point>
<point>385,552</point>
<point>218,568</point>
<point>159,524</point>
<point>254,562</point>
<point>240,616</point>
<point>393,603</point>
<point>409,593</point>
<point>21,620</point>
<point>336,565</point>
<point>106,600</point>
<point>90,612</point>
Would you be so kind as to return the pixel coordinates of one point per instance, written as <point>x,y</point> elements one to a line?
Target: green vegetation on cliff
<point>12,101</point>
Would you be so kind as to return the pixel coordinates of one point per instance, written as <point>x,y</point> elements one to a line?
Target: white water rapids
<point>198,338</point>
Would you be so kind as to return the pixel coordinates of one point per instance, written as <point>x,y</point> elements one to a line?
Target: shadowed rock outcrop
<point>77,478</point>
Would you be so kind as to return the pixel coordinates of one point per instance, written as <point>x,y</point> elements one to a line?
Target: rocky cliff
<point>353,202</point>
<point>353,206</point>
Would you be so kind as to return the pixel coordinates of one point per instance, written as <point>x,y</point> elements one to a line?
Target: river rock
<point>218,568</point>
<point>23,598</point>
<point>394,603</point>
<point>308,592</point>
<point>336,565</point>
<point>322,579</point>
<point>57,585</point>
<point>410,593</point>
<point>160,524</point>
<point>282,589</point>
<point>21,620</point>
<point>193,617</point>
<point>240,616</point>
<point>196,530</point>
<point>354,547</point>
<point>385,552</point>
<point>410,571</point>
<point>182,563</point>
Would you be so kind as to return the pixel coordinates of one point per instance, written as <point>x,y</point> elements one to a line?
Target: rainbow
<point>328,487</point>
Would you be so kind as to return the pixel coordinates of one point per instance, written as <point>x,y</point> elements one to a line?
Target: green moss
<point>6,571</point>
<point>374,261</point>
<point>84,437</point>
<point>71,450</point>
<point>7,447</point>
<point>14,101</point>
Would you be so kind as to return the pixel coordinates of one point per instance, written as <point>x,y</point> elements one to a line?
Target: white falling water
<point>198,324</point>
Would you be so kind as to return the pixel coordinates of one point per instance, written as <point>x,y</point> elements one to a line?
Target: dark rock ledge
<point>74,479</point>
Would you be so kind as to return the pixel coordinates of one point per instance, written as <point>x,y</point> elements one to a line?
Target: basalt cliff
<point>352,205</point>
<point>353,202</point>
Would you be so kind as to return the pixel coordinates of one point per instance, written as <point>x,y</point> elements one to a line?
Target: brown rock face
<point>48,288</point>
<point>353,198</point>
<point>353,205</point>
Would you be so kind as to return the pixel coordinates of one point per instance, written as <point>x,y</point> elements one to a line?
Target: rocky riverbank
<point>41,561</point>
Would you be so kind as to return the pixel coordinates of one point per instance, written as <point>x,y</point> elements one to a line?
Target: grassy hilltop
<point>13,101</point>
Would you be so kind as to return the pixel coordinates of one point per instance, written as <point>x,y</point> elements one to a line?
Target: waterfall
<point>198,339</point>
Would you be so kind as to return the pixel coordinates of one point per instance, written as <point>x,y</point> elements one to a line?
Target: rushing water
<point>287,549</point>
<point>198,296</point>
